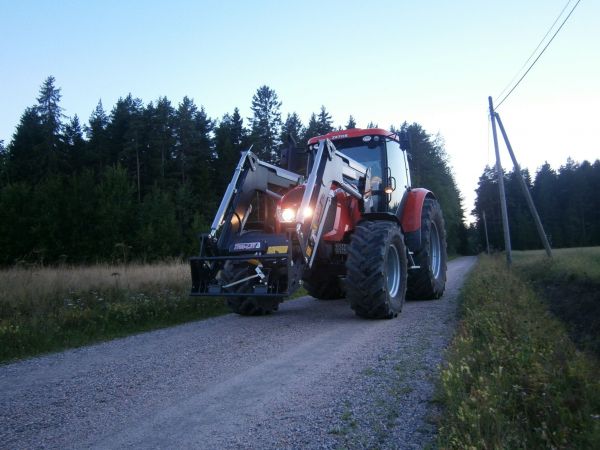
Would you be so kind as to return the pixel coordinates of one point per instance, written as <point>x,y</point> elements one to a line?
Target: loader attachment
<point>242,254</point>
<point>331,170</point>
<point>246,253</point>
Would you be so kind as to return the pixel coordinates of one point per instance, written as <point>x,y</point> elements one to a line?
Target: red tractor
<point>341,219</point>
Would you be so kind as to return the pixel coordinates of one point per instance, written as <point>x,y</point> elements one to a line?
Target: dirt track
<point>310,376</point>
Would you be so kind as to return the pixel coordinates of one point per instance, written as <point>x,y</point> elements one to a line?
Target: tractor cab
<point>380,151</point>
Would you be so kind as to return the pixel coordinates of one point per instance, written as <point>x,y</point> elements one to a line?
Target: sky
<point>431,62</point>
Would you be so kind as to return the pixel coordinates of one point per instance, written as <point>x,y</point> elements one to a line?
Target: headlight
<point>287,215</point>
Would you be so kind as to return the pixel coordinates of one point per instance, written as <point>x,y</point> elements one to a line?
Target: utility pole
<point>500,175</point>
<point>526,193</point>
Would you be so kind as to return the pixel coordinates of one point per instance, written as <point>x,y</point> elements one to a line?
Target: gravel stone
<point>312,375</point>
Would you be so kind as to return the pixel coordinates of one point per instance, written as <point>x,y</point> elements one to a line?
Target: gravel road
<point>310,376</point>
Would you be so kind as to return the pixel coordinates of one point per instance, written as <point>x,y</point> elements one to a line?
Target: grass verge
<point>49,309</point>
<point>569,283</point>
<point>513,377</point>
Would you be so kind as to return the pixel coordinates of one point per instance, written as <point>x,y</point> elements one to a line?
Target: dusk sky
<point>432,62</point>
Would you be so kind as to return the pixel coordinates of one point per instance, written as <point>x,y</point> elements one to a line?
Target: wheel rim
<point>393,271</point>
<point>435,250</point>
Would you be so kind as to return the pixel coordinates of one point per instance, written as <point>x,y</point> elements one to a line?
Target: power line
<point>534,51</point>
<point>538,57</point>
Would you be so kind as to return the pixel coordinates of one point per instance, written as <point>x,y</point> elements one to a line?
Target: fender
<point>410,212</point>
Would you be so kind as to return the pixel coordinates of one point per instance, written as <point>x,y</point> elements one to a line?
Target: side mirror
<point>404,140</point>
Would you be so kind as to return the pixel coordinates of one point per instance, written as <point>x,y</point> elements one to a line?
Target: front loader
<point>352,227</point>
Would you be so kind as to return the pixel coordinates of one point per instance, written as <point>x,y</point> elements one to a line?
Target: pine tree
<point>49,110</point>
<point>545,196</point>
<point>324,121</point>
<point>292,127</point>
<point>97,154</point>
<point>351,123</point>
<point>488,202</point>
<point>161,139</point>
<point>266,123</point>
<point>186,138</point>
<point>239,134</point>
<point>312,129</point>
<point>50,114</point>
<point>227,153</point>
<point>27,155</point>
<point>429,168</point>
<point>74,145</point>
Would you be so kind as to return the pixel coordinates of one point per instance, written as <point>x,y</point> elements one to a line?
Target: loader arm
<point>250,175</point>
<point>331,169</point>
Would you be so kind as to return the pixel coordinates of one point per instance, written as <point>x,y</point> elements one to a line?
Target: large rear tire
<point>245,305</point>
<point>376,270</point>
<point>429,281</point>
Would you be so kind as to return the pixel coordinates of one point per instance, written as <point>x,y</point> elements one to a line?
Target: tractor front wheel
<point>376,270</point>
<point>245,305</point>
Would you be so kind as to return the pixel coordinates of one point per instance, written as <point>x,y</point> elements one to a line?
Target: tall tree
<point>292,127</point>
<point>266,123</point>
<point>324,121</point>
<point>161,139</point>
<point>27,155</point>
<point>50,114</point>
<point>75,145</point>
<point>351,123</point>
<point>487,203</point>
<point>97,154</point>
<point>429,168</point>
<point>186,135</point>
<point>230,140</point>
<point>312,129</point>
<point>49,110</point>
<point>523,232</point>
<point>545,195</point>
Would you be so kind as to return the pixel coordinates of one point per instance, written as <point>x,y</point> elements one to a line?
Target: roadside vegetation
<point>569,284</point>
<point>514,378</point>
<point>46,309</point>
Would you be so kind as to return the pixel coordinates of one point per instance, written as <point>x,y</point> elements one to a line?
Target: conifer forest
<point>139,181</point>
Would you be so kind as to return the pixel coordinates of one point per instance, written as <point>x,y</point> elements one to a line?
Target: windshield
<point>360,152</point>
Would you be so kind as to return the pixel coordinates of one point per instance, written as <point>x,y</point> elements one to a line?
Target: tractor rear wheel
<point>376,270</point>
<point>322,285</point>
<point>245,305</point>
<point>429,281</point>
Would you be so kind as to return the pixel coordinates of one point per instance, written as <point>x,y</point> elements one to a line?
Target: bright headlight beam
<point>288,214</point>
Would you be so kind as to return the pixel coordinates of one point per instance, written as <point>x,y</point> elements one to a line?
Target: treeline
<point>567,201</point>
<point>141,181</point>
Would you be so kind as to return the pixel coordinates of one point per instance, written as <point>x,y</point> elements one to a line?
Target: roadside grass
<point>513,377</point>
<point>48,309</point>
<point>569,283</point>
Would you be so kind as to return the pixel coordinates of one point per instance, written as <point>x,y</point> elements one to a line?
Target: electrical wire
<point>538,57</point>
<point>534,51</point>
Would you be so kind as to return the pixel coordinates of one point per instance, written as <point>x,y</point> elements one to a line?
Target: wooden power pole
<point>500,175</point>
<point>525,189</point>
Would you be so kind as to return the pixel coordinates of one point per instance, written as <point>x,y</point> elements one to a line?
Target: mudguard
<point>410,216</point>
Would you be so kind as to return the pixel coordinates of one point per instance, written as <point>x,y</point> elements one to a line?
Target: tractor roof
<point>352,133</point>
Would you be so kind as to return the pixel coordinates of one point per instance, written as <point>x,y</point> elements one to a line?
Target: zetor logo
<point>247,246</point>
<point>339,136</point>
